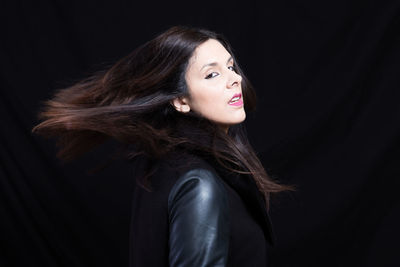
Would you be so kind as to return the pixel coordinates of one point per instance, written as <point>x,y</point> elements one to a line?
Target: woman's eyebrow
<point>215,63</point>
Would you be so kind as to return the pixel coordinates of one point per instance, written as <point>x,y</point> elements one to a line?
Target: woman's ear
<point>181,104</point>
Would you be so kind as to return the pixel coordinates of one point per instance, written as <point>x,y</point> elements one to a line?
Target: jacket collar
<point>254,200</point>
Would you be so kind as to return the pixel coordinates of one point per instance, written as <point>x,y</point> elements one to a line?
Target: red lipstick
<point>236,100</point>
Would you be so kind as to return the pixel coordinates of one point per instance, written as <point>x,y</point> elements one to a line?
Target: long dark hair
<point>131,102</point>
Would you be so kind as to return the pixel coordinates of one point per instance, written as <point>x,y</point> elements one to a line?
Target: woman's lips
<point>237,103</point>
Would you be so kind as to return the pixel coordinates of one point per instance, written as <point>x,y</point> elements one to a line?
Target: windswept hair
<point>132,103</point>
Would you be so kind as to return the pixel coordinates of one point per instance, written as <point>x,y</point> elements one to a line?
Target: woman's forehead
<point>211,51</point>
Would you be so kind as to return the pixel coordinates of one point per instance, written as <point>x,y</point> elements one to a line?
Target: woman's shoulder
<point>202,183</point>
<point>182,168</point>
<point>198,203</point>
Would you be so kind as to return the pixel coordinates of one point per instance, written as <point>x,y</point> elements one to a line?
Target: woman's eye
<point>232,68</point>
<point>212,75</point>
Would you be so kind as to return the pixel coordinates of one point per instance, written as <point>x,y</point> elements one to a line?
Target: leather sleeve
<point>199,220</point>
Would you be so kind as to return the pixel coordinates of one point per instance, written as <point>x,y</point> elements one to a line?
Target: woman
<point>202,194</point>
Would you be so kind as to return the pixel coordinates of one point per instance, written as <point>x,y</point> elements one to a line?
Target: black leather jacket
<point>197,214</point>
<point>198,210</point>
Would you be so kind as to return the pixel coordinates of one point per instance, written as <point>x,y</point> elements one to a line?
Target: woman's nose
<point>234,79</point>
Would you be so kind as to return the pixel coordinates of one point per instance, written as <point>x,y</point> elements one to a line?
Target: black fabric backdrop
<point>327,78</point>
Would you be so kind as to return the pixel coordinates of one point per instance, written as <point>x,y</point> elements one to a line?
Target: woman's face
<point>213,84</point>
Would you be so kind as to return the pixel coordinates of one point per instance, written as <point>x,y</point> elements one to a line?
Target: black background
<point>328,120</point>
